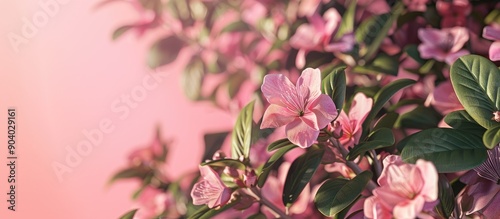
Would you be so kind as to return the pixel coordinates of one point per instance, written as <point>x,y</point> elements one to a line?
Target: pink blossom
<point>444,99</point>
<point>443,45</point>
<point>147,155</point>
<point>492,32</point>
<point>153,202</point>
<point>351,125</point>
<point>210,190</point>
<point>406,190</point>
<point>454,13</point>
<point>301,107</point>
<point>482,193</point>
<point>416,5</point>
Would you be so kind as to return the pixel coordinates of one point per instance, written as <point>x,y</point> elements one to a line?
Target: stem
<point>376,162</point>
<point>257,195</point>
<point>371,185</point>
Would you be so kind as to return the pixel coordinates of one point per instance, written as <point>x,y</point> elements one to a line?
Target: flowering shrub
<point>395,114</point>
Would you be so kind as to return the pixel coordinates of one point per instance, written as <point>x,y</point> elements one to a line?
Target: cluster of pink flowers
<point>332,100</point>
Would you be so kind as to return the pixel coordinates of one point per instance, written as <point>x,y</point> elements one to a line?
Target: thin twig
<point>257,195</point>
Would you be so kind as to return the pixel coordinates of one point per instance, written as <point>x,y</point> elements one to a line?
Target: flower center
<point>301,113</point>
<point>447,43</point>
<point>490,169</point>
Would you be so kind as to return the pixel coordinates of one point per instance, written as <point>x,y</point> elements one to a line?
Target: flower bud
<point>496,116</point>
<point>337,130</point>
<point>250,178</point>
<point>219,155</point>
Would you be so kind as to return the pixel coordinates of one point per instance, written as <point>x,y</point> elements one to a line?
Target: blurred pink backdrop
<point>63,81</point>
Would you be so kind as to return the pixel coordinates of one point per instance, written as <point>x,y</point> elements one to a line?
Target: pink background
<point>64,81</point>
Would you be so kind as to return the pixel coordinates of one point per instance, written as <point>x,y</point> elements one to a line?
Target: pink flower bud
<point>337,130</point>
<point>219,155</point>
<point>496,116</point>
<point>250,178</point>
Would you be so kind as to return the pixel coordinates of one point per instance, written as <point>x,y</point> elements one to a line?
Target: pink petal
<point>306,37</point>
<point>430,176</point>
<point>494,51</point>
<point>409,208</point>
<point>481,194</point>
<point>276,116</point>
<point>460,37</point>
<point>344,44</point>
<point>275,86</point>
<point>300,133</point>
<point>309,84</point>
<point>428,51</point>
<point>452,57</point>
<point>431,36</point>
<point>222,199</point>
<point>325,110</point>
<point>360,107</point>
<point>333,19</point>
<point>388,198</point>
<point>300,60</point>
<point>491,33</point>
<point>492,210</point>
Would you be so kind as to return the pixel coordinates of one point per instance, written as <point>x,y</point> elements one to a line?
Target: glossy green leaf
<point>412,51</point>
<point>129,215</point>
<point>279,144</point>
<point>213,142</point>
<point>419,118</point>
<point>127,174</point>
<point>493,17</point>
<point>268,166</point>
<point>192,79</point>
<point>378,139</point>
<point>382,64</point>
<point>381,98</point>
<point>206,213</point>
<point>491,137</point>
<point>336,194</point>
<point>462,120</point>
<point>476,81</point>
<point>386,121</point>
<point>446,197</point>
<point>348,20</point>
<point>242,133</point>
<point>226,163</point>
<point>164,51</point>
<point>300,173</point>
<point>450,150</point>
<point>334,85</point>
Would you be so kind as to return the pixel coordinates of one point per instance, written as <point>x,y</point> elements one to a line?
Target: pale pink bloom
<point>147,155</point>
<point>406,190</point>
<point>352,124</point>
<point>493,33</point>
<point>482,193</point>
<point>444,45</point>
<point>301,107</point>
<point>153,202</point>
<point>317,34</point>
<point>210,189</point>
<point>444,99</point>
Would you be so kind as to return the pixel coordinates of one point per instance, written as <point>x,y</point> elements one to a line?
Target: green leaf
<point>242,133</point>
<point>378,139</point>
<point>476,81</point>
<point>213,142</point>
<point>279,144</point>
<point>334,85</point>
<point>412,51</point>
<point>446,197</point>
<point>226,163</point>
<point>271,162</point>
<point>348,19</point>
<point>164,51</point>
<point>127,174</point>
<point>493,17</point>
<point>382,64</point>
<point>206,213</point>
<point>462,120</point>
<point>374,30</point>
<point>257,216</point>
<point>386,121</point>
<point>491,137</point>
<point>129,215</point>
<point>237,26</point>
<point>419,118</point>
<point>192,79</point>
<point>300,173</point>
<point>337,194</point>
<point>450,150</point>
<point>121,30</point>
<point>381,98</point>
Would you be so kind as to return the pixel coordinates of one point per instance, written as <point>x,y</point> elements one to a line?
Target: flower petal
<point>452,57</point>
<point>309,84</point>
<point>409,208</point>
<point>300,133</point>
<point>491,33</point>
<point>276,87</point>
<point>460,37</point>
<point>325,110</point>
<point>431,36</point>
<point>276,116</point>
<point>429,174</point>
<point>494,51</point>
<point>360,107</point>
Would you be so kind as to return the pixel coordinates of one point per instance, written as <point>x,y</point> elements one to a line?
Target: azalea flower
<point>301,107</point>
<point>443,45</point>
<point>153,202</point>
<point>482,193</point>
<point>406,190</point>
<point>444,99</point>
<point>492,32</point>
<point>352,124</point>
<point>210,190</point>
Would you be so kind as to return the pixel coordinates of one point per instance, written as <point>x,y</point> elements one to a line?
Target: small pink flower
<point>301,107</point>
<point>444,99</point>
<point>416,5</point>
<point>153,202</point>
<point>352,124</point>
<point>210,190</point>
<point>405,190</point>
<point>493,33</point>
<point>443,45</point>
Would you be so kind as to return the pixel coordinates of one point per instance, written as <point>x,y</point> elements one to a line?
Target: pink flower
<point>493,33</point>
<point>416,5</point>
<point>444,99</point>
<point>443,45</point>
<point>351,125</point>
<point>301,107</point>
<point>210,190</point>
<point>153,202</point>
<point>405,190</point>
<point>482,193</point>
